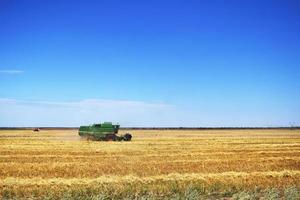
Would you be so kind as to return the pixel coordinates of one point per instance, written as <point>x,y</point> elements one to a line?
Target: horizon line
<point>157,127</point>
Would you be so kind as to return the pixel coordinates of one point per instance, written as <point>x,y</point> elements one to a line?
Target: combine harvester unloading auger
<point>103,132</point>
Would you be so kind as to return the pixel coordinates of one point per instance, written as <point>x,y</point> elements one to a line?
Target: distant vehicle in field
<point>103,132</point>
<point>36,130</point>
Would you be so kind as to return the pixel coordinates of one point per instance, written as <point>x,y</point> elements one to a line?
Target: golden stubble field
<point>57,164</point>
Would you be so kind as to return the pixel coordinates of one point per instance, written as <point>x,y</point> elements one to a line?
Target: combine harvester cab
<point>103,132</point>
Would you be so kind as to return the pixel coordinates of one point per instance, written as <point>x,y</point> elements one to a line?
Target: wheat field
<point>157,164</point>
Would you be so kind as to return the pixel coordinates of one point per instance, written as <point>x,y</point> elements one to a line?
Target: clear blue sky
<point>150,63</point>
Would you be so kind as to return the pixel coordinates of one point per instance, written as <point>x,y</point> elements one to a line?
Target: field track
<point>56,162</point>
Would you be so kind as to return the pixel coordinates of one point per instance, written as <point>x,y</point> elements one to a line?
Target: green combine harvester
<point>103,132</point>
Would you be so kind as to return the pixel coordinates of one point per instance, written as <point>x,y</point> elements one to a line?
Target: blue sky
<point>150,63</point>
